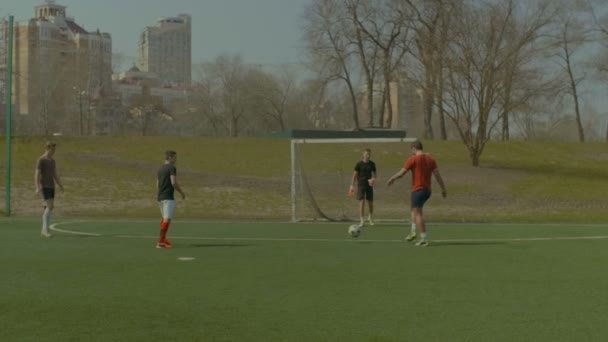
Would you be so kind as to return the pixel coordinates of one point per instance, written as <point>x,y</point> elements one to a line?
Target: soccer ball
<point>354,230</point>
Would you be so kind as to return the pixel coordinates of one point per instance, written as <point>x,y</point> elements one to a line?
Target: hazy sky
<point>263,31</point>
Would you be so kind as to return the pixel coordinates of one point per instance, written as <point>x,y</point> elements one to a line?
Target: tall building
<point>166,50</point>
<point>59,67</point>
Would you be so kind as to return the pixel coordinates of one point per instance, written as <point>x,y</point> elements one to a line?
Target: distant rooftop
<point>75,28</point>
<point>180,19</point>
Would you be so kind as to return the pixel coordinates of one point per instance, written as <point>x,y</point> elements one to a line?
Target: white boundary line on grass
<point>472,240</point>
<point>379,223</point>
<point>55,225</point>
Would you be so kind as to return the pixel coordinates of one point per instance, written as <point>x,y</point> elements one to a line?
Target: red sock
<point>164,227</point>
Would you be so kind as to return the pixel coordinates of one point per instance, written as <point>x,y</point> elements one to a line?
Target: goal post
<point>6,71</point>
<point>300,182</point>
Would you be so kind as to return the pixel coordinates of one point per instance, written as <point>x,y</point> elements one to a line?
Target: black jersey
<point>165,188</point>
<point>365,171</point>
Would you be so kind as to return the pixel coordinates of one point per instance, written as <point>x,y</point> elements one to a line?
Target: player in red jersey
<point>422,166</point>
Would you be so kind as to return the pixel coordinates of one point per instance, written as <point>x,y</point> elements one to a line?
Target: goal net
<point>322,171</point>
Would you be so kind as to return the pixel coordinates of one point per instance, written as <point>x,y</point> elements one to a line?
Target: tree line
<point>478,70</point>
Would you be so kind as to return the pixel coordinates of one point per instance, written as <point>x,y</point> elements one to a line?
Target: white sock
<point>423,236</point>
<point>413,227</point>
<point>362,219</point>
<point>46,219</point>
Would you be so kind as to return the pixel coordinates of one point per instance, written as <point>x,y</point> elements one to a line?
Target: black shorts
<point>419,197</point>
<point>48,193</point>
<point>365,192</point>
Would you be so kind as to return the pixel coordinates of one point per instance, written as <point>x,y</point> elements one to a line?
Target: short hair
<point>417,145</point>
<point>367,150</point>
<point>169,154</point>
<point>49,144</point>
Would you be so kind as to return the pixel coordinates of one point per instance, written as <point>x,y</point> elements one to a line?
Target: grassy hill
<point>249,179</point>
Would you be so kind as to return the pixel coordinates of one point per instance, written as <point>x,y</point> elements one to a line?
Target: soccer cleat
<point>371,222</point>
<point>46,234</point>
<point>162,245</point>
<point>411,236</point>
<point>423,243</point>
<point>168,244</point>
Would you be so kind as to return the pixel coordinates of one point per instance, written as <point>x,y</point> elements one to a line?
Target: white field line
<point>252,239</point>
<point>380,223</point>
<point>55,225</point>
<point>367,240</point>
<point>562,238</point>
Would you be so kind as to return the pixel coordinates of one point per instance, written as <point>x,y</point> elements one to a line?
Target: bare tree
<point>146,114</point>
<point>327,36</point>
<point>273,94</point>
<point>572,35</point>
<point>50,94</point>
<point>367,51</point>
<point>482,43</point>
<point>600,21</point>
<point>208,118</point>
<point>427,27</point>
<point>445,17</point>
<point>230,73</point>
<point>387,28</point>
<point>233,96</point>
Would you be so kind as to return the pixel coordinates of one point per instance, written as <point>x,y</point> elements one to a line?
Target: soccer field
<point>105,281</point>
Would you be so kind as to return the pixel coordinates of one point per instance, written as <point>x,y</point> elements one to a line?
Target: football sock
<point>46,218</point>
<point>164,227</point>
<point>413,227</point>
<point>423,236</point>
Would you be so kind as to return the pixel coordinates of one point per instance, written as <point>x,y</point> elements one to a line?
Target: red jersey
<point>422,167</point>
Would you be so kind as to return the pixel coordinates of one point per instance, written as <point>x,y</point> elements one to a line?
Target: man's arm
<point>37,177</point>
<point>374,174</point>
<point>372,180</point>
<point>352,183</point>
<point>351,189</point>
<point>58,180</point>
<point>396,176</point>
<point>437,175</point>
<point>176,186</point>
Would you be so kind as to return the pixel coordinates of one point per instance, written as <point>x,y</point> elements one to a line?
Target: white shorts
<point>166,208</point>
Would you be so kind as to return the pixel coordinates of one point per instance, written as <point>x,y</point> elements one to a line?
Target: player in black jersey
<point>365,176</point>
<point>166,183</point>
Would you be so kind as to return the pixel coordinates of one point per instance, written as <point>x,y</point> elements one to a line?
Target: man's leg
<point>164,227</point>
<point>419,219</point>
<point>361,212</point>
<point>369,196</point>
<point>421,225</point>
<point>415,204</point>
<point>167,208</point>
<point>413,234</point>
<point>46,217</point>
<point>413,221</point>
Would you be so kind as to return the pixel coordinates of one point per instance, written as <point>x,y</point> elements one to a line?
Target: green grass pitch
<point>302,282</point>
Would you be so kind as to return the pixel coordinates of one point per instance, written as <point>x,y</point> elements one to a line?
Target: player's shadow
<point>466,243</point>
<point>216,245</point>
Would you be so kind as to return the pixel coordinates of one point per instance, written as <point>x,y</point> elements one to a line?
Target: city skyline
<point>228,26</point>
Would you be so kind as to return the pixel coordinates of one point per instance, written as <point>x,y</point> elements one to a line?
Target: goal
<point>322,170</point>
